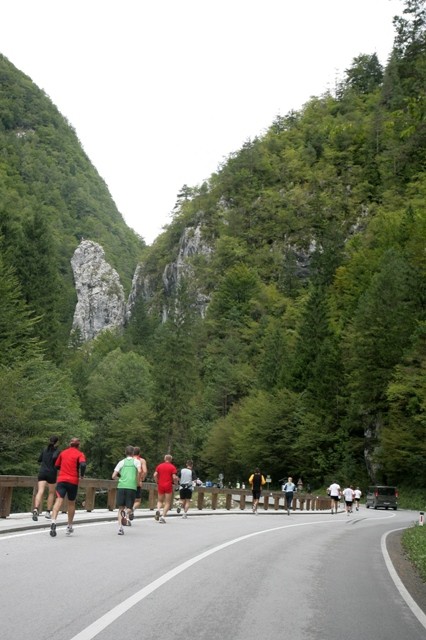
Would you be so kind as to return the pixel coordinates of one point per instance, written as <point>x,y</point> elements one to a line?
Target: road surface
<point>308,576</point>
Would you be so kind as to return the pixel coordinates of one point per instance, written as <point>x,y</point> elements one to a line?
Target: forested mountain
<point>51,197</point>
<point>309,354</point>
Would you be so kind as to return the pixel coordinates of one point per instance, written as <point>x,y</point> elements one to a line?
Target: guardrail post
<point>90,499</point>
<point>242,501</point>
<point>421,518</point>
<point>228,501</point>
<point>200,500</point>
<point>214,500</point>
<point>5,501</point>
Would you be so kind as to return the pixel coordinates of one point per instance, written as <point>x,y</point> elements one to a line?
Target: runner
<point>128,471</point>
<point>289,489</point>
<point>165,476</point>
<point>334,492</point>
<point>256,482</point>
<point>46,477</point>
<point>187,478</point>
<point>72,465</point>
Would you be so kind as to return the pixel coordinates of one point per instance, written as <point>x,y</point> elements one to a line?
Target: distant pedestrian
<point>289,488</point>
<point>72,465</point>
<point>348,495</point>
<point>46,478</point>
<point>334,492</point>
<point>144,473</point>
<point>165,476</point>
<point>128,471</point>
<point>357,497</point>
<point>187,478</point>
<point>256,482</point>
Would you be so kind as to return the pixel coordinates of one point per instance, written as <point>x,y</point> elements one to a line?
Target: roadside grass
<point>414,539</point>
<point>414,542</point>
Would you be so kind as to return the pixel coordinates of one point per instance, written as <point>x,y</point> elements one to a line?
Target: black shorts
<point>67,489</point>
<point>349,503</point>
<point>335,498</point>
<point>125,498</point>
<point>138,493</point>
<point>256,494</point>
<point>50,478</point>
<point>185,494</point>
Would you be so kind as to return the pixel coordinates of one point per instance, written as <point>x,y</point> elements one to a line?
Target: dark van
<point>382,496</point>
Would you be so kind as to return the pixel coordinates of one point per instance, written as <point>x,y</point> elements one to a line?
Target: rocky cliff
<point>100,295</point>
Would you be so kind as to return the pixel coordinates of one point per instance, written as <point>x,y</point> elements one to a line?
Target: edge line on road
<point>411,603</point>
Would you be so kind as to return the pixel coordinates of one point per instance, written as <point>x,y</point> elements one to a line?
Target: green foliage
<point>414,542</point>
<point>36,400</point>
<point>310,359</point>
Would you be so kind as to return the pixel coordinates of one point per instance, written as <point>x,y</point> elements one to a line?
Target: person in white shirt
<point>334,492</point>
<point>187,477</point>
<point>357,497</point>
<point>348,494</point>
<point>289,489</point>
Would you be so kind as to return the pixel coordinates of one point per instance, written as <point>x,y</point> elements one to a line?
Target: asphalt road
<point>234,576</point>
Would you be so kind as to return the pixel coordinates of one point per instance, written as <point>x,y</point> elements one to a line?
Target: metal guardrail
<point>215,496</point>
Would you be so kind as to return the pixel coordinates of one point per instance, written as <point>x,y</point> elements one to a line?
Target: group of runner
<point>60,472</point>
<point>351,496</point>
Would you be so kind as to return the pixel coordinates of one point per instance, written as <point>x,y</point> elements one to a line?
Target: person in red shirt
<point>72,465</point>
<point>165,476</point>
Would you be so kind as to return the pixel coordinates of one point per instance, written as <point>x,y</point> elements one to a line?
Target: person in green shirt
<point>128,471</point>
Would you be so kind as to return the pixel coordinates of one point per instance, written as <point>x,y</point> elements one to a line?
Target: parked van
<point>381,496</point>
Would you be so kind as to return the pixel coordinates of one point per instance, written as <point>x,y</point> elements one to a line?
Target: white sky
<point>160,92</point>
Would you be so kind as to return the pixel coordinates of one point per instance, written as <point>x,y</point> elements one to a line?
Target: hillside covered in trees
<point>310,358</point>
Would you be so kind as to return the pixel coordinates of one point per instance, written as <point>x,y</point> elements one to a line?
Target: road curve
<point>304,577</point>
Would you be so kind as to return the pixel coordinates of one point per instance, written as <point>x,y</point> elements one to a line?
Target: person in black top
<point>46,477</point>
<point>256,481</point>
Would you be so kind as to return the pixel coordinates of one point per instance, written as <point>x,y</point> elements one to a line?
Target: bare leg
<point>56,507</point>
<point>40,492</point>
<point>167,503</point>
<point>51,497</point>
<point>71,512</point>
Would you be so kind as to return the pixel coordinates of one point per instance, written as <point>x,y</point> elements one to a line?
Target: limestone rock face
<point>100,295</point>
<point>191,244</point>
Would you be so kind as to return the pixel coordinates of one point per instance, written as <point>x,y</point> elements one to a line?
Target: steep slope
<point>51,197</point>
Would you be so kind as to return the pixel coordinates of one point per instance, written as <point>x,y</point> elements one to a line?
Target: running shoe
<point>35,515</point>
<point>47,515</point>
<point>157,515</point>
<point>123,518</point>
<point>178,510</point>
<point>121,531</point>
<point>69,530</point>
<point>53,529</point>
<point>131,515</point>
<point>162,520</point>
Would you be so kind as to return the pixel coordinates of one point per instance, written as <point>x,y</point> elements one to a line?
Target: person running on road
<point>128,471</point>
<point>72,465</point>
<point>357,498</point>
<point>165,476</point>
<point>46,477</point>
<point>144,473</point>
<point>256,482</point>
<point>289,488</point>
<point>334,492</point>
<point>348,494</point>
<point>187,478</point>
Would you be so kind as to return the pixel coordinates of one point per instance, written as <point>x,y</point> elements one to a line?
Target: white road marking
<point>415,609</point>
<point>111,616</point>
